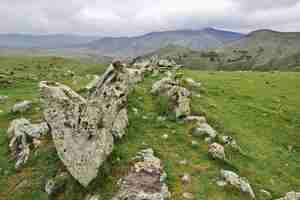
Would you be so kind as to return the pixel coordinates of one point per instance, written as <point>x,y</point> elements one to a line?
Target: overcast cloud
<point>134,17</point>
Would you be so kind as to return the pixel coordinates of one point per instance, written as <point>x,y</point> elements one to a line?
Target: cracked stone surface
<point>83,129</point>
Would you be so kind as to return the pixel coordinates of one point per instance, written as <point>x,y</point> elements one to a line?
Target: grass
<point>260,110</point>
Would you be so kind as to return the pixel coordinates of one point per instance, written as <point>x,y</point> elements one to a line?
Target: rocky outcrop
<point>178,96</point>
<point>239,182</point>
<point>21,107</point>
<point>21,133</point>
<point>83,128</point>
<point>146,180</point>
<point>291,196</point>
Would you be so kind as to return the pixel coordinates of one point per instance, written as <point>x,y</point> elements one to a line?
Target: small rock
<point>3,99</point>
<point>221,183</point>
<point>216,151</point>
<point>204,129</point>
<point>192,83</point>
<point>291,196</point>
<point>188,196</point>
<point>165,136</point>
<point>195,143</point>
<point>92,197</point>
<point>238,182</point>
<point>183,162</point>
<point>21,107</point>
<point>197,119</point>
<point>265,194</point>
<point>186,178</point>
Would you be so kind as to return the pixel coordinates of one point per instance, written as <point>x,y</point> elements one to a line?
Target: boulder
<point>291,196</point>
<point>239,182</point>
<point>21,134</point>
<point>135,75</point>
<point>21,107</point>
<point>145,180</point>
<point>216,151</point>
<point>83,129</point>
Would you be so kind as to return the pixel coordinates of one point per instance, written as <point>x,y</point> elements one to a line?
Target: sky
<point>136,17</point>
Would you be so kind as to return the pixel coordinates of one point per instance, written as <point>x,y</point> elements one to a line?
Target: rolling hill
<point>259,50</point>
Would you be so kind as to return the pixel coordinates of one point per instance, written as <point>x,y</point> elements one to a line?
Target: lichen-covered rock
<point>195,119</point>
<point>239,182</point>
<point>216,151</point>
<point>178,97</point>
<point>21,133</point>
<point>83,129</point>
<point>21,107</point>
<point>203,130</point>
<point>135,75</point>
<point>146,180</point>
<point>291,196</point>
<point>56,184</point>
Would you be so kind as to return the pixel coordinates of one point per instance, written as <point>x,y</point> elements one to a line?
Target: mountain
<point>134,46</point>
<point>42,41</point>
<point>259,50</point>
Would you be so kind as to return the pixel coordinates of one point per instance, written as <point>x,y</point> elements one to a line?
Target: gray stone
<point>239,182</point>
<point>195,119</point>
<point>20,134</point>
<point>186,178</point>
<point>216,151</point>
<point>204,129</point>
<point>145,180</point>
<point>178,97</point>
<point>83,129</point>
<point>291,196</point>
<point>188,196</point>
<point>21,107</point>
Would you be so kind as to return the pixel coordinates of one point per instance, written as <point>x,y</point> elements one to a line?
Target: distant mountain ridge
<point>124,46</point>
<point>134,46</point>
<point>42,41</point>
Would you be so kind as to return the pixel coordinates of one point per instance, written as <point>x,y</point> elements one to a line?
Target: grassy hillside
<point>260,110</point>
<point>261,50</point>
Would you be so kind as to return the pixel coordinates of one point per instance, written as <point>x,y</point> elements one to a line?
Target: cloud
<point>134,17</point>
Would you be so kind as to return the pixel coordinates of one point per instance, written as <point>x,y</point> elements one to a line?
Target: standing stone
<point>83,129</point>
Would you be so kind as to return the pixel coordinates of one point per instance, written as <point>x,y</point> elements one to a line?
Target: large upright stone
<point>83,129</point>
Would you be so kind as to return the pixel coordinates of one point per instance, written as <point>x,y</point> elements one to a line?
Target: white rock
<point>291,196</point>
<point>21,107</point>
<point>204,129</point>
<point>238,182</point>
